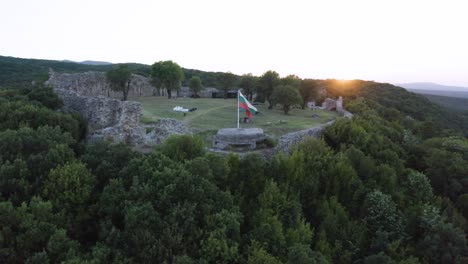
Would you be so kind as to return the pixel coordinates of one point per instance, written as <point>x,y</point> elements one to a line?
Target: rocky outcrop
<point>95,84</point>
<point>119,121</point>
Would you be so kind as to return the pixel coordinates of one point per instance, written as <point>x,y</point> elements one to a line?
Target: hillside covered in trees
<point>387,186</point>
<point>17,72</point>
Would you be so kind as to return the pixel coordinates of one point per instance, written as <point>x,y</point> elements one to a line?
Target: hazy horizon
<point>386,41</point>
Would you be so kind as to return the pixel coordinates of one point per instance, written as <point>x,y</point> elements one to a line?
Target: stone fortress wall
<point>109,118</point>
<point>89,95</point>
<point>95,84</point>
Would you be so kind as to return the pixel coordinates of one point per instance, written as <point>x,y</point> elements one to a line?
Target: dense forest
<point>16,72</point>
<point>456,103</point>
<point>387,186</point>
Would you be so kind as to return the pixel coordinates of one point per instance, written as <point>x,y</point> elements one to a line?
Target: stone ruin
<point>88,94</point>
<point>288,141</point>
<point>241,139</point>
<point>119,121</point>
<point>95,84</point>
<point>336,105</point>
<point>330,104</point>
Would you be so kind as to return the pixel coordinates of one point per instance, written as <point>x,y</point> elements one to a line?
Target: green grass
<point>213,114</point>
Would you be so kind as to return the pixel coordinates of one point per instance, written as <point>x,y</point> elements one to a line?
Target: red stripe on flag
<point>247,109</point>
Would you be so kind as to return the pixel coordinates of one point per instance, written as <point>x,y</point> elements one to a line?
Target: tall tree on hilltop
<point>309,90</point>
<point>167,75</point>
<point>226,81</point>
<point>266,84</point>
<point>248,85</point>
<point>195,84</point>
<point>286,96</point>
<point>292,80</point>
<point>119,78</point>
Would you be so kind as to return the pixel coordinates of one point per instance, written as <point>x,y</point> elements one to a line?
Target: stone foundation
<point>238,138</point>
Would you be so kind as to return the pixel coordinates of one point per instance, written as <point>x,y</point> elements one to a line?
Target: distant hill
<point>19,72</point>
<point>431,86</point>
<point>90,62</point>
<point>454,103</point>
<point>455,94</point>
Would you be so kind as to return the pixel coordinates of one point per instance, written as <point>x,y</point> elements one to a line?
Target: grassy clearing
<point>213,114</point>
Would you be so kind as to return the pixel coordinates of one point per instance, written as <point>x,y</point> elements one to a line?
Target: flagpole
<point>237,108</point>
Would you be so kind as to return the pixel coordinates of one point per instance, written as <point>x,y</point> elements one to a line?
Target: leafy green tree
<point>195,85</point>
<point>269,231</point>
<point>248,83</point>
<point>258,255</point>
<point>15,180</point>
<point>266,84</point>
<point>462,204</point>
<point>46,96</point>
<point>441,241</point>
<point>291,80</point>
<point>246,179</point>
<point>309,90</point>
<point>287,96</point>
<point>167,75</point>
<point>227,81</point>
<point>222,244</point>
<point>61,247</point>
<point>183,147</point>
<point>447,171</point>
<point>417,188</point>
<point>380,258</point>
<point>382,214</point>
<point>42,150</point>
<point>302,254</point>
<point>183,259</point>
<point>120,78</point>
<point>105,160</point>
<point>30,232</point>
<point>428,129</point>
<point>16,114</point>
<point>338,234</point>
<point>69,186</point>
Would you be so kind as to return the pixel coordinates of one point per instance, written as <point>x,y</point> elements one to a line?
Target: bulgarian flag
<point>244,104</point>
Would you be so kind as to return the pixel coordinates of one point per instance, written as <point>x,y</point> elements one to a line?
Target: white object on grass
<point>180,109</point>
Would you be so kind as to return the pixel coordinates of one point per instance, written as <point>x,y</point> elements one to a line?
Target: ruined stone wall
<point>288,141</point>
<point>330,104</point>
<point>95,84</point>
<point>101,112</point>
<point>119,121</point>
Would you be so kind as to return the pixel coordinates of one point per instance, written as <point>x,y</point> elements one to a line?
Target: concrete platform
<point>238,138</point>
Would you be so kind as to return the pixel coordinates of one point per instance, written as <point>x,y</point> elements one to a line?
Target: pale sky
<point>389,40</point>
